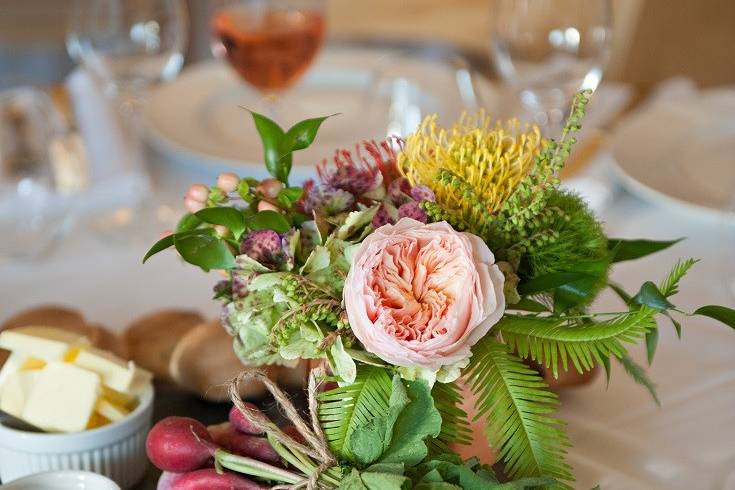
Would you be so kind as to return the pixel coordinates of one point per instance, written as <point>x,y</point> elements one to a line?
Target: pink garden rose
<point>420,295</point>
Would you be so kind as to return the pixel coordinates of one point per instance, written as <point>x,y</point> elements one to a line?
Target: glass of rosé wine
<point>269,43</point>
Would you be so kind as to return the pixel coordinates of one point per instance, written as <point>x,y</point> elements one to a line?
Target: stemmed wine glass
<point>269,43</point>
<point>129,46</point>
<point>548,50</point>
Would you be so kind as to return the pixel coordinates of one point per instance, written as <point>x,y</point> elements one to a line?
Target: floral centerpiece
<point>414,268</point>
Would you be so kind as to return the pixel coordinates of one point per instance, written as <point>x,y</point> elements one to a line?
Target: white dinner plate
<point>199,117</point>
<point>681,152</point>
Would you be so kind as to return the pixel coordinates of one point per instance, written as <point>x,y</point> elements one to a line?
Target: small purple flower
<point>263,246</point>
<point>329,201</point>
<point>382,217</point>
<point>399,190</point>
<point>412,210</point>
<point>240,284</point>
<point>422,193</point>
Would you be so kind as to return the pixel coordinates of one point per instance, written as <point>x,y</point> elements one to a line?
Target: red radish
<point>179,444</point>
<point>209,479</point>
<point>241,423</point>
<point>291,431</point>
<point>231,439</point>
<point>167,480</point>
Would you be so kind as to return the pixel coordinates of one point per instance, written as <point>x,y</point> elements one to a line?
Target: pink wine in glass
<point>270,49</point>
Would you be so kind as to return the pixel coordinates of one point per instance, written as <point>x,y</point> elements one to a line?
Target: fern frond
<point>551,340</point>
<point>670,285</point>
<point>455,424</point>
<point>518,407</point>
<point>639,375</point>
<point>343,409</point>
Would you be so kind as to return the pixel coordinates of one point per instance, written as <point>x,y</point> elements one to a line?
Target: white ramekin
<point>116,450</point>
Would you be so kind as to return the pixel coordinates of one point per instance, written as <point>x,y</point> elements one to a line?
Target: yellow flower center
<point>492,157</point>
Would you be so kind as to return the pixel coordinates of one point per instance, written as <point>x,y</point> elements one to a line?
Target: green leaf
<point>606,366</point>
<point>367,442</point>
<point>527,304</point>
<point>719,313</point>
<point>651,344</point>
<point>204,249</point>
<point>188,222</point>
<point>649,295</point>
<point>676,324</point>
<point>342,364</point>
<point>670,285</point>
<point>269,220</point>
<point>272,136</point>
<point>290,195</point>
<point>352,481</point>
<point>583,290</point>
<point>518,408</point>
<point>301,134</point>
<point>550,281</point>
<point>230,218</point>
<point>160,245</point>
<point>622,294</point>
<point>343,409</point>
<point>392,468</point>
<point>383,481</point>
<point>455,424</point>
<point>634,249</point>
<point>370,440</point>
<point>417,421</point>
<point>355,221</point>
<point>551,341</point>
<point>639,376</point>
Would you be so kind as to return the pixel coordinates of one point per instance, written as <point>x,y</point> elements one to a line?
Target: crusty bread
<point>151,339</point>
<point>204,361</point>
<point>50,316</point>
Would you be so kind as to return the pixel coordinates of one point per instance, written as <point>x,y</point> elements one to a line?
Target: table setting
<point>312,262</point>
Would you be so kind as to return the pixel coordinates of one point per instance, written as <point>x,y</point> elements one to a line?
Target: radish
<point>167,480</point>
<point>241,423</point>
<point>256,447</point>
<point>291,431</point>
<point>179,444</point>
<point>211,480</point>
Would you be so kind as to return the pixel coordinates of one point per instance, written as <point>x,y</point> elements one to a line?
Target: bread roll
<point>151,339</point>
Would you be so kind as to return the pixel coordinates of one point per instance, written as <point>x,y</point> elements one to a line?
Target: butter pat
<point>45,343</point>
<point>110,410</point>
<point>63,398</point>
<point>16,390</point>
<point>116,373</point>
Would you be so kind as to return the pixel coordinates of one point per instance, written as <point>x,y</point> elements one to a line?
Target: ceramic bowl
<point>62,480</point>
<point>116,450</point>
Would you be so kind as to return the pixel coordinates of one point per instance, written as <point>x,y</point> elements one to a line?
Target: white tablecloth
<point>622,440</point>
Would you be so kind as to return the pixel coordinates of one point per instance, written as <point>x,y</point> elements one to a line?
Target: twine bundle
<point>316,445</point>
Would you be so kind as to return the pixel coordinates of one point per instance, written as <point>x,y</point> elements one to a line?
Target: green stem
<point>302,462</point>
<point>289,456</point>
<point>253,467</point>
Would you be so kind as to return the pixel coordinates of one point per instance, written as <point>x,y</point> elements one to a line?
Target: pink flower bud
<point>270,188</point>
<point>228,182</point>
<point>198,192</point>
<point>164,234</point>
<point>266,206</point>
<point>193,205</point>
<point>221,230</point>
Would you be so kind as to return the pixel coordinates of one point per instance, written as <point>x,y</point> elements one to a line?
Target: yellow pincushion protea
<point>477,160</point>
